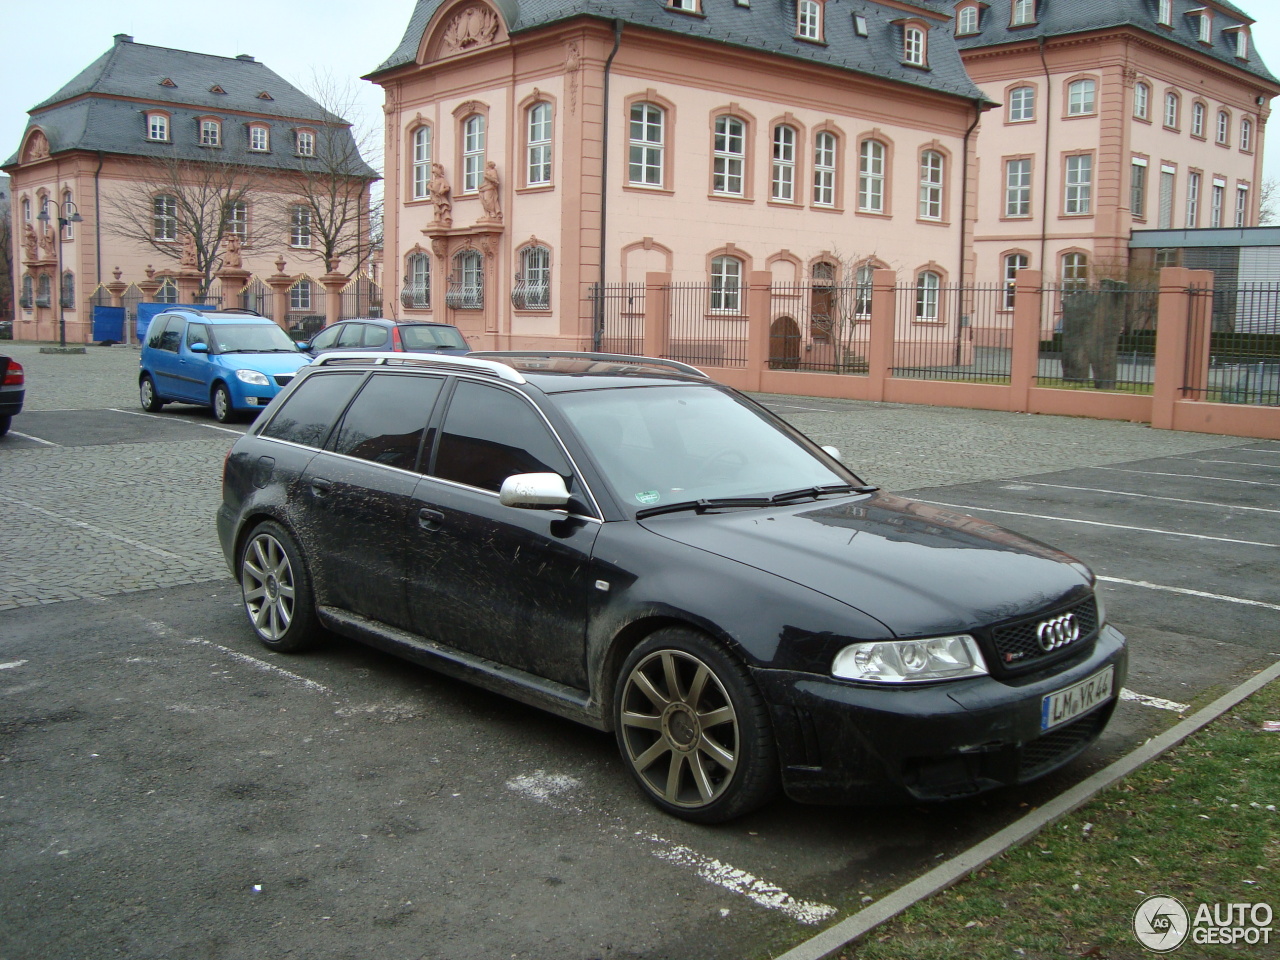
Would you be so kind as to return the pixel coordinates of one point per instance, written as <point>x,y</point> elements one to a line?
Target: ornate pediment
<point>37,148</point>
<point>468,29</point>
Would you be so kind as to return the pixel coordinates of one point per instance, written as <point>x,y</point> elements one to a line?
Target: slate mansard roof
<point>1056,18</point>
<point>767,26</point>
<point>104,108</point>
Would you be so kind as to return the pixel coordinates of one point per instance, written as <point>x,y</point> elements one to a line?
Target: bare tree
<point>328,200</point>
<point>6,258</point>
<point>1269,202</point>
<point>185,208</point>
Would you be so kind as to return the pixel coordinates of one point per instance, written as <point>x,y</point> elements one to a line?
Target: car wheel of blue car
<point>277,589</point>
<point>147,394</point>
<point>693,729</point>
<point>223,411</point>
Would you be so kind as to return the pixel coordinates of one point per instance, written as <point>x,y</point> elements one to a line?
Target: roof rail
<point>603,357</point>
<point>458,364</point>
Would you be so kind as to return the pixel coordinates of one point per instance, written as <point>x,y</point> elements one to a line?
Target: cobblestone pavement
<point>84,521</point>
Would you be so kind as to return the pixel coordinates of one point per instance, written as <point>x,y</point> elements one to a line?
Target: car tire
<point>223,411</point>
<point>147,395</point>
<point>5,422</point>
<point>704,752</point>
<point>276,588</point>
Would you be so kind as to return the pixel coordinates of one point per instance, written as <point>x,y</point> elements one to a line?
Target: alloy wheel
<point>266,577</point>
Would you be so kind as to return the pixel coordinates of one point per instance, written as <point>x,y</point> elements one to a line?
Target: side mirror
<point>534,491</point>
<point>199,348</point>
<point>303,345</point>
<point>833,452</point>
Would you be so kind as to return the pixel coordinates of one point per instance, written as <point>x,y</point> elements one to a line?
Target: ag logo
<point>1161,924</point>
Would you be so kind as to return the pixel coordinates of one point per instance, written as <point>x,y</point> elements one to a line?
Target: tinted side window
<point>386,422</point>
<point>490,434</point>
<point>350,337</point>
<point>164,333</point>
<point>374,336</point>
<point>197,333</point>
<point>326,338</point>
<point>310,410</point>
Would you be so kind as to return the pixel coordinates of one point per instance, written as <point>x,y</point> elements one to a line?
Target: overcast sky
<point>50,41</point>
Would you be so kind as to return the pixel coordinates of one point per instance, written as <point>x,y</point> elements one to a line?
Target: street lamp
<point>68,213</point>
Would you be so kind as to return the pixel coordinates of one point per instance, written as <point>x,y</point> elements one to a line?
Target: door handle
<point>430,519</point>
<point>320,487</point>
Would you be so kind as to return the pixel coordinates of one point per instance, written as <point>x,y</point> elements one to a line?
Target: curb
<point>835,938</point>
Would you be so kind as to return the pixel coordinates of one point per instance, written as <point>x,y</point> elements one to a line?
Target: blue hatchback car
<point>232,361</point>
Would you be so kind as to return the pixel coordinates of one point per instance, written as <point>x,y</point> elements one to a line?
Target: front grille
<point>1017,647</point>
<point>1060,745</point>
<point>283,378</point>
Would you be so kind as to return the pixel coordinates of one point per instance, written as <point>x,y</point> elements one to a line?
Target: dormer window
<point>967,21</point>
<point>166,82</point>
<point>809,20</point>
<point>306,143</point>
<point>1241,41</point>
<point>1203,24</point>
<point>914,46</point>
<point>259,138</point>
<point>217,89</point>
<point>210,133</point>
<point>685,6</point>
<point>265,96</point>
<point>1024,13</point>
<point>158,126</point>
<point>1165,16</point>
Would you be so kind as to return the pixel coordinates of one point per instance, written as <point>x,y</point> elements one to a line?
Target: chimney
<point>123,38</point>
<point>245,57</point>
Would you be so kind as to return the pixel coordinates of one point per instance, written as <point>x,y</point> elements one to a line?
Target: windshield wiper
<point>702,506</point>
<point>815,492</point>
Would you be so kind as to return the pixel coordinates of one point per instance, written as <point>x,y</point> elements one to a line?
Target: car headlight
<point>911,661</point>
<point>253,377</point>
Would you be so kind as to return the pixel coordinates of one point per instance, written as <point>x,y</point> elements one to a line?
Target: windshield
<point>250,338</point>
<point>661,445</point>
<point>431,338</point>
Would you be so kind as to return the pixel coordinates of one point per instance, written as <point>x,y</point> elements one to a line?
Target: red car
<point>12,391</point>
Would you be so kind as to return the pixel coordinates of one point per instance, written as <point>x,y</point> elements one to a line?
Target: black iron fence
<point>707,325</point>
<point>619,312</point>
<point>819,326</point>
<point>1239,361</point>
<point>950,332</point>
<point>1098,336</point>
<point>361,298</point>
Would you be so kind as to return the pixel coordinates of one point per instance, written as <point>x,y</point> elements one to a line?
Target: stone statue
<point>188,259</point>
<point>489,192</point>
<point>231,255</point>
<point>440,190</point>
<point>29,242</point>
<point>50,241</point>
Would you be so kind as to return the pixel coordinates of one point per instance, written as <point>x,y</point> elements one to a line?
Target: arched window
<point>306,143</point>
<point>783,182</point>
<point>809,20</point>
<point>164,217</point>
<point>1078,198</point>
<point>210,133</point>
<point>928,288</point>
<point>1171,104</point>
<point>1246,135</point>
<point>1197,120</point>
<point>824,169</point>
<point>28,297</point>
<point>647,145</point>
<point>1081,97</point>
<point>157,126</point>
<point>728,156</point>
<point>421,163</point>
<point>466,286</point>
<point>1224,127</point>
<point>473,152</point>
<point>1013,262</point>
<point>862,282</point>
<point>1141,101</point>
<point>532,290</point>
<point>538,133</point>
<point>1166,12</point>
<point>1075,270</point>
<point>416,294</point>
<point>1024,12</point>
<point>871,176</point>
<point>26,209</point>
<point>726,285</point>
<point>967,21</point>
<point>1022,104</point>
<point>44,294</point>
<point>914,48</point>
<point>822,302</point>
<point>259,138</point>
<point>68,289</point>
<point>931,177</point>
<point>68,225</point>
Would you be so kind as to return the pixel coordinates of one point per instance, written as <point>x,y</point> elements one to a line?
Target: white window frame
<point>967,21</point>
<point>825,152</point>
<point>1017,187</point>
<point>928,296</point>
<point>1013,263</point>
<point>726,285</point>
<point>1024,12</point>
<point>1193,199</point>
<point>418,281</point>
<point>1172,109</point>
<point>1078,198</point>
<point>1242,205</point>
<point>1142,101</point>
<point>1022,104</point>
<point>932,176</point>
<point>538,131</point>
<point>164,218</point>
<point>1165,14</point>
<point>469,268</point>
<point>1082,97</point>
<point>1217,202</point>
<point>300,226</point>
<point>1204,29</point>
<point>210,133</point>
<point>1246,134</point>
<point>535,278</point>
<point>1138,188</point>
<point>809,20</point>
<point>782,180</point>
<point>729,156</point>
<point>300,295</point>
<point>259,138</point>
<point>871,176</point>
<point>915,47</point>
<point>473,152</point>
<point>1197,119</point>
<point>158,127</point>
<point>1075,270</point>
<point>422,162</point>
<point>68,226</point>
<point>238,218</point>
<point>305,143</point>
<point>1223,131</point>
<point>647,129</point>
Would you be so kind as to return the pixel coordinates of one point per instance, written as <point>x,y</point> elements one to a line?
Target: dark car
<point>397,336</point>
<point>621,541</point>
<point>12,391</point>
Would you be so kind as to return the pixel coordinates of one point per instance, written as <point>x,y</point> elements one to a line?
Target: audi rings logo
<point>1058,632</point>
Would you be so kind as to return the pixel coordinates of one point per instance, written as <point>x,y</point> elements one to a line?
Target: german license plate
<point>1058,708</point>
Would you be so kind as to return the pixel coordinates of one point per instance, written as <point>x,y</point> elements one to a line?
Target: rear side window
<point>428,338</point>
<point>309,412</point>
<point>386,422</point>
<point>490,434</point>
<point>374,336</point>
<point>351,336</point>
<point>165,334</point>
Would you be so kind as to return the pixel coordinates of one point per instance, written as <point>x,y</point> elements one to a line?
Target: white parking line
<point>27,436</point>
<point>1191,593</point>
<point>12,664</point>
<point>1235,463</point>
<point>1147,496</point>
<point>1099,523</point>
<point>193,423</point>
<point>1258,450</point>
<point>1157,702</point>
<point>80,524</point>
<point>259,664</point>
<point>1187,476</point>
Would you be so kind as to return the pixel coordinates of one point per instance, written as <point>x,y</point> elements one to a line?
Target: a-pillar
<point>280,282</point>
<point>333,282</point>
<point>1024,363</point>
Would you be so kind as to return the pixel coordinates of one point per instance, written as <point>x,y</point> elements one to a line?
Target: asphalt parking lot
<point>170,789</point>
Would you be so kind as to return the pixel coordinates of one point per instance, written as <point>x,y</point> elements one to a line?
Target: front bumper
<point>843,742</point>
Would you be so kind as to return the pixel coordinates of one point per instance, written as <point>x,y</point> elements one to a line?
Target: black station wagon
<point>623,542</point>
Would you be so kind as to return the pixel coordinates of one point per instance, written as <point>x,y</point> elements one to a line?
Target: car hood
<point>268,363</point>
<point>918,569</point>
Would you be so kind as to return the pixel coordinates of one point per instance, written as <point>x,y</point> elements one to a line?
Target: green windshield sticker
<point>648,496</point>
